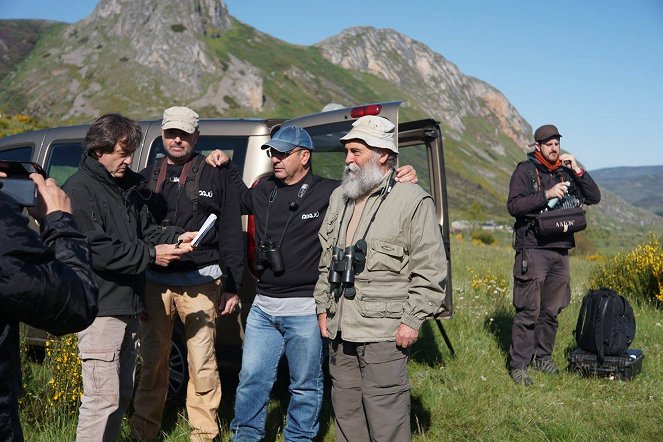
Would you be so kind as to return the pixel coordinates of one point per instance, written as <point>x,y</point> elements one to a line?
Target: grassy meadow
<point>468,396</point>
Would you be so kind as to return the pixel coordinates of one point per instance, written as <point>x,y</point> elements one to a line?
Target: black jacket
<point>224,245</point>
<point>525,202</point>
<point>46,283</point>
<point>113,214</point>
<point>300,248</point>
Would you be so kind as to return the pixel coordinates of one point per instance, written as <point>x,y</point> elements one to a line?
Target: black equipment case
<point>624,367</point>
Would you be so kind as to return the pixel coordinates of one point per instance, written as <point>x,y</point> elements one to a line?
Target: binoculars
<point>268,254</point>
<point>345,264</point>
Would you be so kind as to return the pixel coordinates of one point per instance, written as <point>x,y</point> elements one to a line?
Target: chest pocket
<point>386,256</point>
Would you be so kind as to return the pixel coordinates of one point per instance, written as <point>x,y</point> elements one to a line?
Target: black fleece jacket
<point>45,282</point>
<point>224,245</point>
<point>113,214</point>
<point>525,202</point>
<point>300,248</point>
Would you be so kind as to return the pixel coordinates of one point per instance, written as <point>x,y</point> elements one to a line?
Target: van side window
<point>63,160</point>
<point>417,155</point>
<point>23,153</point>
<point>234,147</point>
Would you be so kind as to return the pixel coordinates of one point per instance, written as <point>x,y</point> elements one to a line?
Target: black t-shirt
<point>300,248</point>
<point>224,245</point>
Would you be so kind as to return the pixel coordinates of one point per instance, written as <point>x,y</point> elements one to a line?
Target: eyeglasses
<point>271,152</point>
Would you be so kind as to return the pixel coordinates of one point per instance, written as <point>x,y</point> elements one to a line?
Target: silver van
<point>59,150</point>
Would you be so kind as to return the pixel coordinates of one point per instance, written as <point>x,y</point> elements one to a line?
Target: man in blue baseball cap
<point>286,142</point>
<point>288,207</point>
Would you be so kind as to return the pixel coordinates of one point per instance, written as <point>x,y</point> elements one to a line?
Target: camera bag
<point>625,366</point>
<point>552,222</point>
<point>606,324</point>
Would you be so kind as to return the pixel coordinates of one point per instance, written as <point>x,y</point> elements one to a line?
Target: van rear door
<point>419,144</point>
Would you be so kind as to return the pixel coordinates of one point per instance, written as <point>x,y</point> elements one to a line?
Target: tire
<point>178,367</point>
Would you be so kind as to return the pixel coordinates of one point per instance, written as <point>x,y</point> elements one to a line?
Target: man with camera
<point>381,274</point>
<point>111,211</point>
<point>547,180</point>
<point>288,207</point>
<point>45,281</point>
<point>198,288</point>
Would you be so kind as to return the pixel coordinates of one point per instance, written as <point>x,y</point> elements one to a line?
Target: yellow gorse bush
<point>65,384</point>
<point>637,274</point>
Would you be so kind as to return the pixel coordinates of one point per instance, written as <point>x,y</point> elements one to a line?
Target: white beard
<point>358,181</point>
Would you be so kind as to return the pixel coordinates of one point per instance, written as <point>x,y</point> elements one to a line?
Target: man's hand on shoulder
<point>217,158</point>
<point>406,174</point>
<point>406,336</point>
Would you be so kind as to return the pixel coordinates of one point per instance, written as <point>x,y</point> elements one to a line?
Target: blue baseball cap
<point>289,137</point>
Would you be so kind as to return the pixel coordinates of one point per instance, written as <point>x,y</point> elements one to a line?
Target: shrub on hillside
<point>636,275</point>
<point>16,124</point>
<point>483,237</point>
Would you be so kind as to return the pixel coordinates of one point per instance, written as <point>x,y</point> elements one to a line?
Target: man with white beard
<point>283,319</point>
<point>382,273</point>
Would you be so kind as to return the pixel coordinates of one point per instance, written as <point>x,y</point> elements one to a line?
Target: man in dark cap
<point>547,180</point>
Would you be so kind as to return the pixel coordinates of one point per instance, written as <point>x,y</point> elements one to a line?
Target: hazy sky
<point>592,67</point>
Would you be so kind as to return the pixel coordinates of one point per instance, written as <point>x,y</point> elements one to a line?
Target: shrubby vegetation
<point>637,275</point>
<point>16,124</point>
<point>483,237</point>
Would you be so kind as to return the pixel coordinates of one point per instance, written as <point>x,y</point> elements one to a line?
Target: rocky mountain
<point>436,83</point>
<point>131,55</point>
<point>139,56</point>
<point>484,133</point>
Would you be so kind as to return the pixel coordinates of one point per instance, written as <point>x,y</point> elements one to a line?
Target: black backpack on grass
<point>606,325</point>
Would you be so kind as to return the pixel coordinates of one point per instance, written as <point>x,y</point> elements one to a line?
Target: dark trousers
<point>370,391</point>
<point>539,295</point>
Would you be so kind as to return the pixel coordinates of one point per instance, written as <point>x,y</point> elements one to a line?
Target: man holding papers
<point>202,285</point>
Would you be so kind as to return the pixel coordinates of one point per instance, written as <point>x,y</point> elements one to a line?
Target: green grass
<point>470,396</point>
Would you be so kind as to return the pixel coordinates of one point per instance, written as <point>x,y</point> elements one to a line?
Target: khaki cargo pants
<point>196,307</point>
<point>370,391</point>
<point>108,349</point>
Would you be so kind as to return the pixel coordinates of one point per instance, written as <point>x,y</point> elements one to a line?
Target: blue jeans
<point>265,340</point>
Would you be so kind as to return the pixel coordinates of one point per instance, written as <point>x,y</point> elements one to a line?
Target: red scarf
<point>550,166</point>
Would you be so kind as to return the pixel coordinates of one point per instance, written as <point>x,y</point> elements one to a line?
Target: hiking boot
<point>544,365</point>
<point>519,376</point>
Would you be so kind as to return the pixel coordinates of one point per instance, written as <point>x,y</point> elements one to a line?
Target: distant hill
<point>640,186</point>
<point>140,56</point>
<point>17,38</point>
